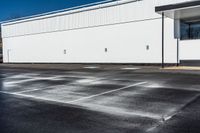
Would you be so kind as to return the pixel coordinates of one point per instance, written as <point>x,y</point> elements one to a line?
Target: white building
<point>125,31</point>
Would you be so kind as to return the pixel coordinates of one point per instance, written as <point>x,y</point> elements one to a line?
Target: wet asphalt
<point>95,100</point>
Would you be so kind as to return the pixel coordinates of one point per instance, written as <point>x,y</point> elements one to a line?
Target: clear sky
<point>10,9</point>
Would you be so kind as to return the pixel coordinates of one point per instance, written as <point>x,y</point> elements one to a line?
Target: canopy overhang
<point>181,11</point>
<point>185,11</point>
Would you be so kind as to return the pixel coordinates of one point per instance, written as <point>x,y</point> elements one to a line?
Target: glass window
<point>190,30</point>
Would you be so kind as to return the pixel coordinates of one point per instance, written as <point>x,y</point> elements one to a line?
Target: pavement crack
<point>170,116</point>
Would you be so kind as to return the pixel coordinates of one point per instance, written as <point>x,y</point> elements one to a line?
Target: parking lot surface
<point>94,100</point>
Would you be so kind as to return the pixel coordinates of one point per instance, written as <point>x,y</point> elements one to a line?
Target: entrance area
<point>186,17</point>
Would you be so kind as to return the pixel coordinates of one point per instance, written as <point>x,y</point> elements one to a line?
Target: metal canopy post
<point>177,36</point>
<point>163,28</point>
<point>177,52</point>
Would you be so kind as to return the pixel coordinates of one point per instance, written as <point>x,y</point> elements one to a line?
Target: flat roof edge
<point>177,6</point>
<point>92,6</point>
<point>58,11</point>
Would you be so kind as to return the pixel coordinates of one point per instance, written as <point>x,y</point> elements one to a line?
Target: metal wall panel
<point>121,13</point>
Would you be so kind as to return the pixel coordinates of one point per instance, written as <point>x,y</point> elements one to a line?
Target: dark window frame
<point>190,31</point>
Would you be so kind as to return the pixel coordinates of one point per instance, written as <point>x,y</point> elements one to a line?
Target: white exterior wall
<point>189,50</point>
<point>125,30</point>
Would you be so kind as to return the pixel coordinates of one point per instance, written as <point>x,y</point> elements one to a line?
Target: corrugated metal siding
<point>102,16</point>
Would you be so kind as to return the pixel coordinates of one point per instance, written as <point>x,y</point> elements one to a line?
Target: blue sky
<point>10,9</point>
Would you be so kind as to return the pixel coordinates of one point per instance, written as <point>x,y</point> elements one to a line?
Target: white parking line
<point>130,68</point>
<point>35,97</point>
<point>91,67</point>
<point>27,91</point>
<point>107,92</point>
<point>69,102</point>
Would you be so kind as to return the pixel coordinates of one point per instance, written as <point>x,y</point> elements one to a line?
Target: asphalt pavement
<point>95,99</point>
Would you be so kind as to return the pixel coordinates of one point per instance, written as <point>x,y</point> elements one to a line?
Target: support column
<point>178,61</point>
<point>177,35</point>
<point>163,38</point>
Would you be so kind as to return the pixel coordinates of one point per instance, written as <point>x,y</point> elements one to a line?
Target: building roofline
<point>92,6</point>
<point>177,6</point>
<point>58,11</point>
